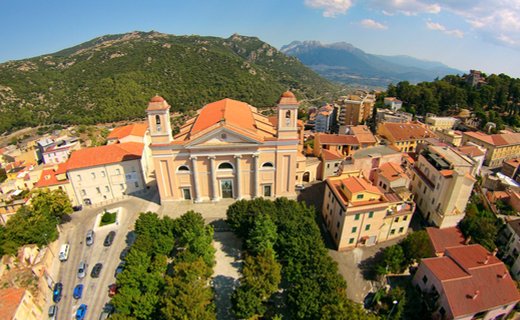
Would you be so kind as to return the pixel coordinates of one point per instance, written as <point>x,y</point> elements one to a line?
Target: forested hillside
<point>497,101</point>
<point>112,78</point>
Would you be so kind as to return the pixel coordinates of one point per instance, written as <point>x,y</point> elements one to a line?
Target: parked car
<point>77,208</point>
<point>96,270</point>
<point>109,239</point>
<point>78,290</point>
<point>300,187</point>
<point>56,295</point>
<point>80,314</point>
<point>53,312</point>
<point>82,269</point>
<point>90,238</point>
<point>120,268</point>
<point>124,253</point>
<point>113,290</point>
<point>107,311</point>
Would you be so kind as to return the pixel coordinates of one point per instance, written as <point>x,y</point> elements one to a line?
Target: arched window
<point>288,114</point>
<point>225,166</point>
<point>157,119</point>
<point>267,165</point>
<point>183,168</point>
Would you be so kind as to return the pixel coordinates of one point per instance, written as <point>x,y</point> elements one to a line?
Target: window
<point>333,199</point>
<point>157,119</point>
<point>351,241</point>
<point>405,218</point>
<point>371,214</point>
<point>121,186</point>
<point>328,206</point>
<point>354,229</point>
<point>133,169</point>
<point>340,212</point>
<point>328,165</point>
<point>136,184</point>
<point>396,219</point>
<point>103,173</point>
<point>107,189</point>
<point>392,232</point>
<point>424,191</point>
<point>183,168</point>
<point>329,194</point>
<point>336,165</point>
<point>78,177</point>
<point>98,190</point>
<point>360,196</point>
<point>425,279</point>
<point>118,171</point>
<point>433,200</point>
<point>83,192</point>
<point>356,217</point>
<point>267,165</point>
<point>336,236</point>
<point>401,230</point>
<point>225,165</point>
<point>419,185</point>
<point>338,225</point>
<point>367,227</point>
<point>93,175</point>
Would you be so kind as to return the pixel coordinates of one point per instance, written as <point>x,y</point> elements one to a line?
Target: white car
<point>82,269</point>
<point>300,187</point>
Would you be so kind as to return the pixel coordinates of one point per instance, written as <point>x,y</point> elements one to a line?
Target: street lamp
<point>395,303</point>
<point>45,238</point>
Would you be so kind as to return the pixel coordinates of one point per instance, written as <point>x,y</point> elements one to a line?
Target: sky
<point>463,34</point>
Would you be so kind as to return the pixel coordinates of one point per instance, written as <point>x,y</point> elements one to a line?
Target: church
<point>227,150</point>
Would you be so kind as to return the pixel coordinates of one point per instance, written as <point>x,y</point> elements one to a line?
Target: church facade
<point>227,150</point>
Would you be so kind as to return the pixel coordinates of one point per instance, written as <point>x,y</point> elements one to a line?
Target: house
<point>500,147</point>
<point>56,178</point>
<point>475,153</point>
<point>369,160</point>
<point>452,137</point>
<point>9,208</point>
<point>405,136</point>
<point>440,239</point>
<point>393,103</point>
<point>59,151</point>
<point>106,172</point>
<point>357,213</point>
<point>512,241</point>
<point>17,304</point>
<point>436,123</point>
<point>467,282</point>
<point>388,116</point>
<point>355,108</point>
<point>391,176</point>
<point>362,133</point>
<point>227,150</point>
<point>442,183</point>
<point>510,168</point>
<point>344,145</point>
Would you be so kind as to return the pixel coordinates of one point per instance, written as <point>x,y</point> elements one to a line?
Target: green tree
<point>246,303</point>
<point>262,236</point>
<point>394,259</point>
<point>53,204</point>
<point>416,246</point>
<point>262,273</point>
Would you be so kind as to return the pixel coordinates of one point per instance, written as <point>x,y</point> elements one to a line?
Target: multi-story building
<point>501,147</point>
<point>344,145</point>
<point>362,133</point>
<point>106,172</point>
<point>56,179</point>
<point>59,152</point>
<point>228,150</point>
<point>468,282</point>
<point>355,108</point>
<point>325,118</point>
<point>436,123</point>
<point>510,168</point>
<point>475,153</point>
<point>388,116</point>
<point>512,236</point>
<point>369,160</point>
<point>449,136</point>
<point>405,136</point>
<point>357,213</point>
<point>18,303</point>
<point>393,103</point>
<point>442,183</point>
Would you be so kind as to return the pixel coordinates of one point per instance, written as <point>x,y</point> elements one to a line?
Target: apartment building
<point>436,123</point>
<point>405,136</point>
<point>18,303</point>
<point>325,119</point>
<point>355,108</point>
<point>393,103</point>
<point>512,236</point>
<point>442,183</point>
<point>388,116</point>
<point>501,147</point>
<point>56,179</point>
<point>358,213</point>
<point>452,137</point>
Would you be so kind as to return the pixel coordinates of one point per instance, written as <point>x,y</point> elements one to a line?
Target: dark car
<point>56,295</point>
<point>109,239</point>
<point>96,270</point>
<point>78,290</point>
<point>107,311</point>
<point>120,268</point>
<point>80,314</point>
<point>124,253</point>
<point>53,312</point>
<point>77,208</point>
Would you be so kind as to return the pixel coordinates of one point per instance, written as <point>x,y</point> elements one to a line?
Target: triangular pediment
<point>223,137</point>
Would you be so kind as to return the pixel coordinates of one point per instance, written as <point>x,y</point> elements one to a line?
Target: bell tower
<point>159,120</point>
<point>287,112</point>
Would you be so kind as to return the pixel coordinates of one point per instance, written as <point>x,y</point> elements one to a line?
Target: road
<point>95,291</point>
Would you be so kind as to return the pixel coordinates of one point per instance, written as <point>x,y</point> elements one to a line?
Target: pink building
<point>467,282</point>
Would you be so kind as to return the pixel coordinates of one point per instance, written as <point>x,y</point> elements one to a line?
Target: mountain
<point>112,78</point>
<point>344,63</point>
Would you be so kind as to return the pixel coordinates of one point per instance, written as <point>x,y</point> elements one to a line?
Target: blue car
<point>78,291</point>
<point>56,295</point>
<point>80,314</point>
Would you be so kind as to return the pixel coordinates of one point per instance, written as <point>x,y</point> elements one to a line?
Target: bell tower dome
<point>159,120</point>
<point>287,112</point>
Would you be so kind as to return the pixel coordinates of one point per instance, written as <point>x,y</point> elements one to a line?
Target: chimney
<point>495,252</point>
<point>468,240</point>
<point>487,259</point>
<point>476,295</point>
<point>503,276</point>
<point>222,121</point>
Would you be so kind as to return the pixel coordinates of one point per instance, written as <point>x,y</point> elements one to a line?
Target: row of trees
<point>314,288</point>
<point>35,223</point>
<point>152,285</point>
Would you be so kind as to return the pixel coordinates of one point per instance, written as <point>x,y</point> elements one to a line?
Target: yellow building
<point>227,150</point>
<point>355,108</point>
<point>450,136</point>
<point>18,304</point>
<point>439,123</point>
<point>405,136</point>
<point>357,213</point>
<point>501,147</point>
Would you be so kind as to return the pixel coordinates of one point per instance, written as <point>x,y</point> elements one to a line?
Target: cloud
<point>371,24</point>
<point>331,7</point>
<point>406,7</point>
<point>436,26</point>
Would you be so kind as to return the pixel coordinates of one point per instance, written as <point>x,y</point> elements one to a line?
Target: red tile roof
<point>466,270</point>
<point>336,139</point>
<point>471,150</point>
<point>136,129</point>
<point>445,238</point>
<point>363,134</point>
<point>330,155</point>
<point>157,103</point>
<point>408,131</point>
<point>496,139</point>
<point>355,185</point>
<point>112,153</point>
<point>392,171</point>
<point>48,178</point>
<point>9,301</point>
<point>513,162</point>
<point>288,98</point>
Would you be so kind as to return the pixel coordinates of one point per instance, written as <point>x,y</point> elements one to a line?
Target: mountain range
<point>344,63</point>
<point>112,78</point>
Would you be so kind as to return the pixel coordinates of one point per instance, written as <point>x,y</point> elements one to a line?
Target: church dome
<point>157,99</point>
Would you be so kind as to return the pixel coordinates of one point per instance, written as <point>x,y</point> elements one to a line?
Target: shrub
<point>106,217</point>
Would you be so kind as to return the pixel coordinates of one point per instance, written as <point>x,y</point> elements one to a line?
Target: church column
<point>257,178</point>
<point>239,177</point>
<point>195,179</point>
<point>213,178</point>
